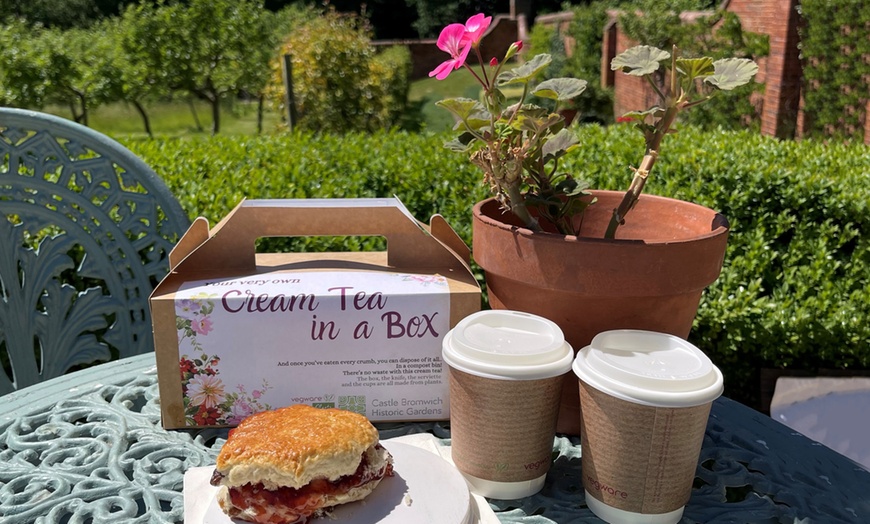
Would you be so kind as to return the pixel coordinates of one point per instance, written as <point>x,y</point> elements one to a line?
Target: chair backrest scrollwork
<point>86,228</point>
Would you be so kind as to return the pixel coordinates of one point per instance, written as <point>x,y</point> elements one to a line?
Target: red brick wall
<point>630,93</point>
<point>782,70</point>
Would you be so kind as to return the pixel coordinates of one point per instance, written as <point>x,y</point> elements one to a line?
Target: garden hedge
<point>794,290</point>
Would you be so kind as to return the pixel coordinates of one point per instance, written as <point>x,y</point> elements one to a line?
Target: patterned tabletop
<point>89,447</point>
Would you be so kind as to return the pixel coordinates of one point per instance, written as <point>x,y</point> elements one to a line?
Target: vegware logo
<point>536,465</point>
<point>604,488</point>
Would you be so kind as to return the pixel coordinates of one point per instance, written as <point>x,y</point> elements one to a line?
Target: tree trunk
<point>215,113</point>
<point>83,101</point>
<point>195,114</point>
<point>260,104</point>
<point>144,116</point>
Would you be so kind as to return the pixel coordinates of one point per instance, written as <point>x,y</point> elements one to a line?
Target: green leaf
<point>560,88</point>
<point>639,60</point>
<point>498,98</point>
<point>528,110</point>
<point>693,68</point>
<point>732,72</point>
<point>576,203</point>
<point>536,121</point>
<point>476,121</point>
<point>559,145</point>
<point>524,73</point>
<point>460,144</point>
<point>640,116</point>
<point>464,108</point>
<point>572,187</point>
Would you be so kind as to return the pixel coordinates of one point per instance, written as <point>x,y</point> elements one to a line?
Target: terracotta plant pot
<point>651,277</point>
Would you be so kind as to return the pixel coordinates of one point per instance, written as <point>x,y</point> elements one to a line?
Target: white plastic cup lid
<point>645,367</point>
<point>507,345</point>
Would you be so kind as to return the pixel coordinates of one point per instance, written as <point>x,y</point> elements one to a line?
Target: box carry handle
<point>231,244</point>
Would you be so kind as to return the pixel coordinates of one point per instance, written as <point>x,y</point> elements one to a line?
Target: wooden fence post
<point>289,100</point>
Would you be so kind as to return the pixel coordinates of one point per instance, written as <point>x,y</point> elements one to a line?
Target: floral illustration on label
<point>425,280</point>
<point>206,399</point>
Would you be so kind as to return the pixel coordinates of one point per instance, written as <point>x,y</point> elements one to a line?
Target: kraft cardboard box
<point>238,332</point>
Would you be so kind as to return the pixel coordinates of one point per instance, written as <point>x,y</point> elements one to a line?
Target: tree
<point>131,80</point>
<point>94,77</point>
<point>23,78</point>
<point>36,67</point>
<point>261,53</point>
<point>204,47</point>
<point>60,14</point>
<point>340,83</point>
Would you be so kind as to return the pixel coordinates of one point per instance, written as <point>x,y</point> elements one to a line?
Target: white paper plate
<point>424,489</point>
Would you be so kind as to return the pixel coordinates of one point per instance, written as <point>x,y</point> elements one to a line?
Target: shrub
<point>835,46</point>
<point>793,291</point>
<point>339,84</point>
<point>391,81</point>
<point>586,29</point>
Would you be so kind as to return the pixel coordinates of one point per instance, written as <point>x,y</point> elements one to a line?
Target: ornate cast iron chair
<point>85,233</point>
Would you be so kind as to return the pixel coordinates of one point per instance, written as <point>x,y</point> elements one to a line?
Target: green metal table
<point>89,447</point>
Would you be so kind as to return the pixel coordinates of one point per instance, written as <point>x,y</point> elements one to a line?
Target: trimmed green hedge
<point>794,290</point>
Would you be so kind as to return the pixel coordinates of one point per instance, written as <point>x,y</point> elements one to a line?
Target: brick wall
<point>630,93</point>
<point>781,72</point>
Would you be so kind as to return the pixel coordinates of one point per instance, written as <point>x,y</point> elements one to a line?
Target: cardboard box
<point>238,332</point>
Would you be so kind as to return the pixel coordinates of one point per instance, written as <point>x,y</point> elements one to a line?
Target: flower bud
<point>513,49</point>
<point>493,62</point>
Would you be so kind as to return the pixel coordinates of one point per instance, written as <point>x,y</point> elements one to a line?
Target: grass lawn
<point>180,117</point>
<point>176,118</point>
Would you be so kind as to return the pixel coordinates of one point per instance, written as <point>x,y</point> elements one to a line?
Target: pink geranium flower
<point>201,326</point>
<point>475,27</point>
<point>452,40</point>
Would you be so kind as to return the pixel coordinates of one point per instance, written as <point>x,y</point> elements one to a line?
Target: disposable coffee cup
<point>644,400</point>
<point>506,370</point>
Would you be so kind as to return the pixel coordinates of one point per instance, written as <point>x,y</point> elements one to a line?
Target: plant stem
<point>633,193</point>
<point>476,76</point>
<point>520,209</point>
<point>655,87</point>
<point>482,65</point>
<point>674,102</point>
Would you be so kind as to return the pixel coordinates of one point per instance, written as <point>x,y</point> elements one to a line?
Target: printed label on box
<point>368,342</point>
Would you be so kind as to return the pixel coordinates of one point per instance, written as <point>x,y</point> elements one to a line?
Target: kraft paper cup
<point>506,370</point>
<point>644,399</point>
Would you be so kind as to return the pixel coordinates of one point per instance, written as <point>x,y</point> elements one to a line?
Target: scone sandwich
<point>285,465</point>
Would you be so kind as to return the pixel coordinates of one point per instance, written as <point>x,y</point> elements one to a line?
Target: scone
<point>285,465</point>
